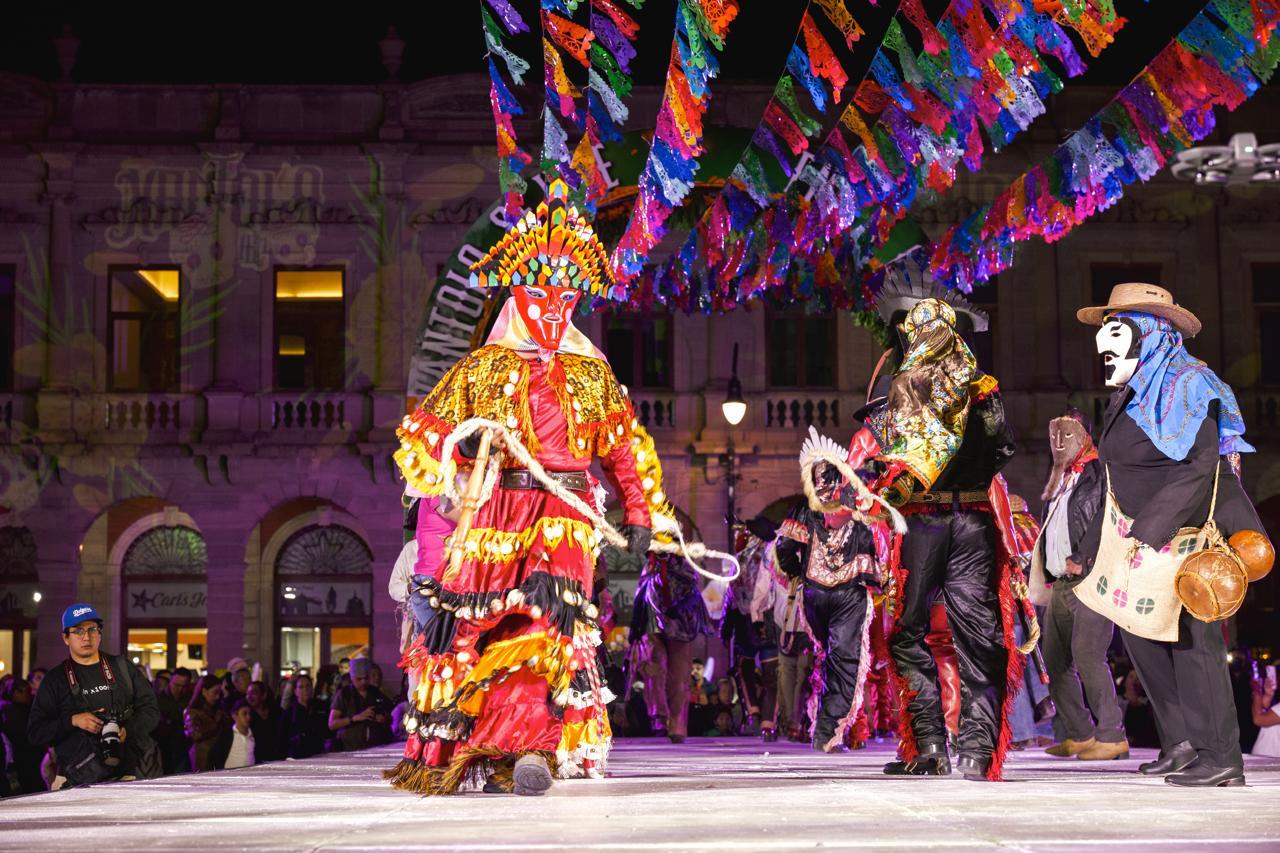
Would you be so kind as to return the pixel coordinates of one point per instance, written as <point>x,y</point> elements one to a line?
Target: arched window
<point>165,588</point>
<point>167,551</point>
<point>324,597</point>
<point>19,587</point>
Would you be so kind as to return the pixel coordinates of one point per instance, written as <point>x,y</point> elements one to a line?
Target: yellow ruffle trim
<point>501,546</point>
<point>593,732</point>
<point>421,469</point>
<point>545,656</point>
<point>437,684</point>
<point>649,468</point>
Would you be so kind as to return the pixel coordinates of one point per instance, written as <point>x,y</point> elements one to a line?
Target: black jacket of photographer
<point>133,705</point>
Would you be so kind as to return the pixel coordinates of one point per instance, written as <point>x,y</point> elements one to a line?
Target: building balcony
<point>799,410</point>
<point>656,410</point>
<point>310,413</point>
<point>121,418</point>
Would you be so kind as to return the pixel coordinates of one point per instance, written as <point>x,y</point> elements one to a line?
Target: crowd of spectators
<point>218,720</point>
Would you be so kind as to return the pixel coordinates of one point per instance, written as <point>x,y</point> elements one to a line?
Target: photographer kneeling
<point>96,710</point>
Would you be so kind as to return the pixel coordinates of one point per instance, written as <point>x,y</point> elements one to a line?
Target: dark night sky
<point>317,43</point>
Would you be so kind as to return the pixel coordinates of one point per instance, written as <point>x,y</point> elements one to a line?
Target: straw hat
<point>1147,298</point>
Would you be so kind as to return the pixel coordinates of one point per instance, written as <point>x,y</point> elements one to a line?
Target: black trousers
<point>836,616</point>
<point>1075,646</point>
<point>954,552</point>
<point>1189,686</point>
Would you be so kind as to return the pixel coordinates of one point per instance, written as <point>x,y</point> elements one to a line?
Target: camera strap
<point>77,692</point>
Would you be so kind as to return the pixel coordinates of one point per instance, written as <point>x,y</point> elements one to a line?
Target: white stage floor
<point>715,794</point>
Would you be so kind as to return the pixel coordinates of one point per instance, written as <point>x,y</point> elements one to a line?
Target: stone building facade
<point>211,298</point>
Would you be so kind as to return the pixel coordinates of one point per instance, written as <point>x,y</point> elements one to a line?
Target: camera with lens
<point>110,748</point>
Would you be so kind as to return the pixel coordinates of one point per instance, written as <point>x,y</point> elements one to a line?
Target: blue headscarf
<point>1172,391</point>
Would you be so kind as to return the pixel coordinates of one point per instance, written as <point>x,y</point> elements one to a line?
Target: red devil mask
<point>546,310</point>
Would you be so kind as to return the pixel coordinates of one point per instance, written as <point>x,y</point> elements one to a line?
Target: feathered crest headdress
<point>553,244</point>
<point>819,448</point>
<point>902,290</point>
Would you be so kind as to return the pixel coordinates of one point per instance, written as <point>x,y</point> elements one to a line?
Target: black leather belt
<point>954,497</point>
<point>522,478</point>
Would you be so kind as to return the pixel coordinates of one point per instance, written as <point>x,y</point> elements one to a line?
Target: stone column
<point>225,605</point>
<point>59,567</point>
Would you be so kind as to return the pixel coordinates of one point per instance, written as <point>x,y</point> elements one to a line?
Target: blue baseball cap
<point>77,613</point>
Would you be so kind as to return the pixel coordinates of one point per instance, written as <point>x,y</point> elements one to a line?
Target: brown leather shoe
<point>1103,751</point>
<point>1070,747</point>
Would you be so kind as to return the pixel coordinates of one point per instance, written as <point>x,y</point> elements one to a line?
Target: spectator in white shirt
<point>235,747</point>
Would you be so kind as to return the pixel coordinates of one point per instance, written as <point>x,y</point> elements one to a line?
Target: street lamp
<point>734,408</point>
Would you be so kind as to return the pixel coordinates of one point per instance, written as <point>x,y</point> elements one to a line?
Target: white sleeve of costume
<point>763,592</point>
<point>402,573</point>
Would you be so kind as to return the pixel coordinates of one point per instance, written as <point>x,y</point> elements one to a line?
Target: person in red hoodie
<point>510,691</point>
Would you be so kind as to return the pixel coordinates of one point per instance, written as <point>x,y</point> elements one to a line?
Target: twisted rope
<point>840,464</point>
<point>512,444</point>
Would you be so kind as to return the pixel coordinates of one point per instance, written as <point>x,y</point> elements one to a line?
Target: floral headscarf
<point>928,404</point>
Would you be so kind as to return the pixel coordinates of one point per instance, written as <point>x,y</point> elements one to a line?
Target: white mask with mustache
<point>1118,343</point>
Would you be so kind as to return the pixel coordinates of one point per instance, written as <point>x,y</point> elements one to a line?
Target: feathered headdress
<point>553,244</point>
<point>819,448</point>
<point>902,290</point>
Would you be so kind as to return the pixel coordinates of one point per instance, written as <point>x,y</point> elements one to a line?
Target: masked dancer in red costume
<point>510,692</point>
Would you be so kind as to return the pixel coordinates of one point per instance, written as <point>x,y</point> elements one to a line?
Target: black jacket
<point>987,447</point>
<point>305,729</point>
<point>1160,494</point>
<point>793,555</point>
<point>1084,503</point>
<point>55,705</point>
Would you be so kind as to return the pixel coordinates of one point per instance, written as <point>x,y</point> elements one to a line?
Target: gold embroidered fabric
<point>493,383</point>
<point>928,406</point>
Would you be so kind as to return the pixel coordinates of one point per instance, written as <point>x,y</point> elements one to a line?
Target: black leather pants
<point>836,616</point>
<point>954,552</point>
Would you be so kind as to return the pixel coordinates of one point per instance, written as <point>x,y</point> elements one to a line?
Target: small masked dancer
<point>835,554</point>
<point>1075,639</point>
<point>942,440</point>
<point>1168,435</point>
<point>510,691</point>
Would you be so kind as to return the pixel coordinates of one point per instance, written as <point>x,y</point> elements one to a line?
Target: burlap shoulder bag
<point>1133,585</point>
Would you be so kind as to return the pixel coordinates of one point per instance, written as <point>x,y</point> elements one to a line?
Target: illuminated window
<point>165,598</point>
<point>802,349</point>
<point>19,600</point>
<point>324,596</point>
<point>8,338</point>
<point>143,333</point>
<point>310,330</point>
<point>639,347</point>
